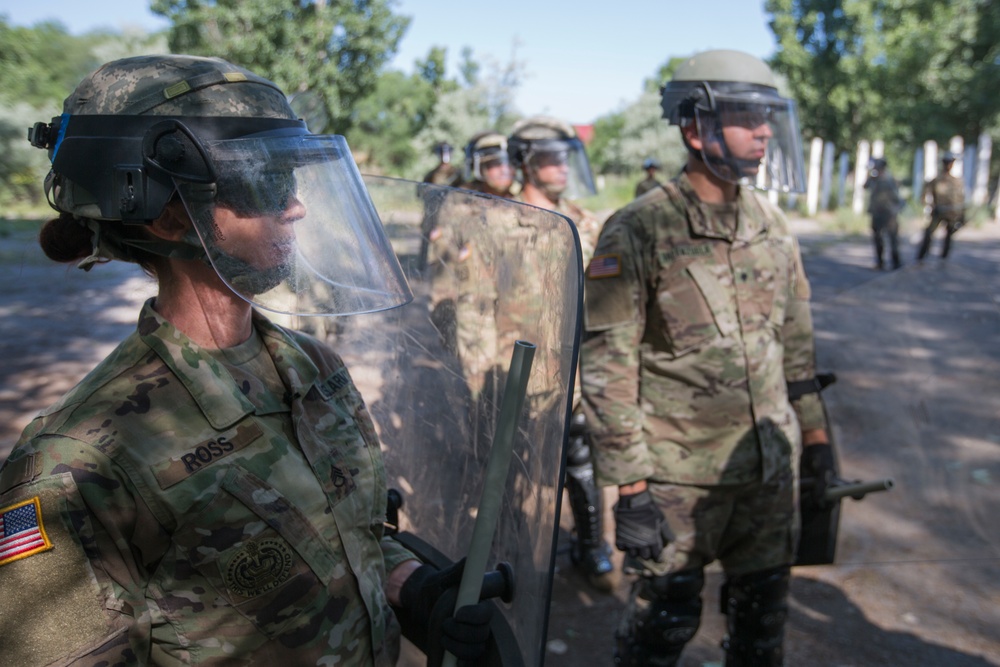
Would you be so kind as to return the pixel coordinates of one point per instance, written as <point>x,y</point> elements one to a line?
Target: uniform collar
<point>207,381</point>
<point>750,220</point>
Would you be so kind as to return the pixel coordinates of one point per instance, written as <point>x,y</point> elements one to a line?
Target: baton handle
<point>856,490</point>
<point>495,483</point>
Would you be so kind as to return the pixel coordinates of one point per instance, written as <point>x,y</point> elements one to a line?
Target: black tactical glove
<point>640,530</point>
<point>428,598</point>
<point>818,466</point>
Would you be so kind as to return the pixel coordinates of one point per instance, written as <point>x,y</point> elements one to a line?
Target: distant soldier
<point>553,166</point>
<point>884,206</point>
<point>487,164</point>
<point>945,194</point>
<point>651,181</point>
<point>445,173</point>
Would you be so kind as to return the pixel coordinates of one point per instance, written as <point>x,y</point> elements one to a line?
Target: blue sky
<point>582,59</point>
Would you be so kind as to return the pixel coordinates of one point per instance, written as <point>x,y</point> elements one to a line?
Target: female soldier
<point>213,492</point>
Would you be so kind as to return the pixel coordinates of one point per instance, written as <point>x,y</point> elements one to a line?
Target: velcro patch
<point>22,532</point>
<point>605,266</point>
<point>181,467</point>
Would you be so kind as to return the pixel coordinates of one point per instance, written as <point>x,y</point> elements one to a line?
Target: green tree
<point>334,49</point>
<point>42,64</point>
<point>386,121</point>
<point>624,139</point>
<point>902,70</point>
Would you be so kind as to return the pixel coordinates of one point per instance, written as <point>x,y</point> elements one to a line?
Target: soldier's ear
<point>173,223</point>
<point>691,136</point>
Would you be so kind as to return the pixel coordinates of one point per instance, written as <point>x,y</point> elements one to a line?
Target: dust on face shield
<point>753,140</point>
<point>559,167</point>
<point>289,226</point>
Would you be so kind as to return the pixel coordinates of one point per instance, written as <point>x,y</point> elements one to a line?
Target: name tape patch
<point>181,467</point>
<point>22,532</point>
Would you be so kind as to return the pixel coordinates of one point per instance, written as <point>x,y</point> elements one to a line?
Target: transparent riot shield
<point>485,273</point>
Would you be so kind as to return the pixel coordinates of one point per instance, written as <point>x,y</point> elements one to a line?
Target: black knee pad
<point>756,607</point>
<point>658,633</point>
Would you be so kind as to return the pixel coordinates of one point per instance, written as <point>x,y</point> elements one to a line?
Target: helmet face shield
<point>753,140</point>
<point>560,167</point>
<point>288,225</point>
<point>492,166</point>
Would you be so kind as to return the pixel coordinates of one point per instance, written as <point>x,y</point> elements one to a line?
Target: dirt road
<point>917,582</point>
<point>917,354</point>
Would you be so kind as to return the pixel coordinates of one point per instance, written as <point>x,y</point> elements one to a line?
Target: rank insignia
<point>22,532</point>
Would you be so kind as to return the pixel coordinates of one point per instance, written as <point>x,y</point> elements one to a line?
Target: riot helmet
<point>443,151</point>
<point>948,157</point>
<point>551,157</point>
<point>487,161</point>
<point>650,163</point>
<point>749,132</point>
<point>142,132</point>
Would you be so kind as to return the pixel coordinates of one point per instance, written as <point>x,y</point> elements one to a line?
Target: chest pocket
<point>694,306</point>
<point>765,283</point>
<point>259,554</point>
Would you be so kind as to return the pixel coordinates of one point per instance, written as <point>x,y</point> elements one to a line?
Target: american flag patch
<point>605,266</point>
<point>21,531</point>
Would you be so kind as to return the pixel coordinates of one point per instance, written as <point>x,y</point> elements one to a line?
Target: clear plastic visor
<point>289,226</point>
<point>561,167</point>
<point>491,164</point>
<point>753,141</point>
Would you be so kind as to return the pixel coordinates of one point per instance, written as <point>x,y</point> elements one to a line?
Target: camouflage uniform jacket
<point>443,174</point>
<point>885,200</point>
<point>185,526</point>
<point>693,327</point>
<point>947,194</point>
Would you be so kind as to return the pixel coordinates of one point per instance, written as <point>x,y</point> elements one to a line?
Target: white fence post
<point>957,146</point>
<point>812,192</point>
<point>980,191</point>
<point>860,176</point>
<point>930,160</point>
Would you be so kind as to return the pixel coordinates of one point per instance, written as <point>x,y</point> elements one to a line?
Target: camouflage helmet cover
<point>151,87</point>
<point>177,85</point>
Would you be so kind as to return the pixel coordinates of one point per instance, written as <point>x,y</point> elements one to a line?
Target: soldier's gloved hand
<point>428,598</point>
<point>640,530</point>
<point>818,465</point>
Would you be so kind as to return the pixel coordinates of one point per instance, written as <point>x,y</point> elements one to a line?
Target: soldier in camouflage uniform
<point>553,166</point>
<point>445,173</point>
<point>487,164</point>
<point>945,194</point>
<point>696,315</point>
<point>213,492</point>
<point>651,182</point>
<point>884,206</point>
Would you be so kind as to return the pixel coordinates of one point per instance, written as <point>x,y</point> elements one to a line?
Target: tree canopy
<point>334,49</point>
<point>906,71</point>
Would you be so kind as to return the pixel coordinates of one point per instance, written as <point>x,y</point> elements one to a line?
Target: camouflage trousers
<point>747,528</point>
